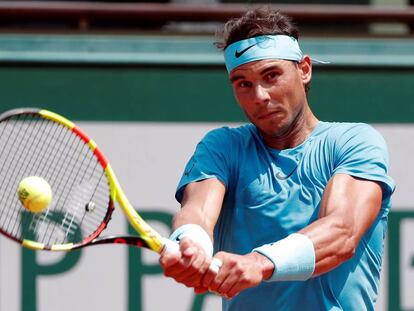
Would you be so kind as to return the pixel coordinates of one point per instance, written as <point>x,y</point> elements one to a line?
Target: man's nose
<point>261,94</point>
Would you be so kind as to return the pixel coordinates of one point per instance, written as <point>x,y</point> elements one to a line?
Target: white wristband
<point>293,257</point>
<point>195,233</point>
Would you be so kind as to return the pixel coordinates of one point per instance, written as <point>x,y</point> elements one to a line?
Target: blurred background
<point>145,80</point>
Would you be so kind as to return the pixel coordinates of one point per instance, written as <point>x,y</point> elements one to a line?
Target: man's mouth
<point>269,114</point>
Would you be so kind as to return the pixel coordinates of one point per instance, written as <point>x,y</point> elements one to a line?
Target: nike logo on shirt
<point>282,177</point>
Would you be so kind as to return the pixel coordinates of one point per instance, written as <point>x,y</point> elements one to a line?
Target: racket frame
<point>149,238</point>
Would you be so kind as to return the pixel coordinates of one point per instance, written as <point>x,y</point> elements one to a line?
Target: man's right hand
<point>188,266</point>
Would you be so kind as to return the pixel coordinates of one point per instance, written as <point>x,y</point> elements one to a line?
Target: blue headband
<point>262,47</point>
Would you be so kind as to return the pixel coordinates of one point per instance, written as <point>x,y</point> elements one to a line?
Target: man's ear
<point>305,68</point>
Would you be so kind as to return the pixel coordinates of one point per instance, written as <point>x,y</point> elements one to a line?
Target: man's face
<point>272,93</point>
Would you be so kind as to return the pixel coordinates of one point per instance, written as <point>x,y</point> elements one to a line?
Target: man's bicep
<point>348,208</point>
<point>357,201</point>
<point>201,203</point>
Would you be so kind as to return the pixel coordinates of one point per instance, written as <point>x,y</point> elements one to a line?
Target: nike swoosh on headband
<point>238,54</point>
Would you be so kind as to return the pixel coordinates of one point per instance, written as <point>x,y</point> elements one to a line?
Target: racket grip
<point>170,246</point>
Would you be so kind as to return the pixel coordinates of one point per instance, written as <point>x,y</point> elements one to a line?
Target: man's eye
<point>271,75</point>
<point>244,84</point>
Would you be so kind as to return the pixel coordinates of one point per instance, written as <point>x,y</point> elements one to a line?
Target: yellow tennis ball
<point>35,193</point>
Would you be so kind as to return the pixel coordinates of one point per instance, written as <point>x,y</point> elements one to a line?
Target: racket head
<point>36,142</point>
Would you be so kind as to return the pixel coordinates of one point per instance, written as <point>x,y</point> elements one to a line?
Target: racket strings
<point>66,151</point>
<point>41,163</point>
<point>82,165</point>
<point>45,148</point>
<point>24,127</point>
<point>69,218</point>
<point>16,161</point>
<point>98,196</point>
<point>3,159</point>
<point>41,158</point>
<point>5,162</point>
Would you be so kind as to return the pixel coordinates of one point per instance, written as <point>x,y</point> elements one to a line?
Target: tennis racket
<point>36,142</point>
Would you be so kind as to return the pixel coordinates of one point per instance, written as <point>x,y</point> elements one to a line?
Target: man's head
<point>258,22</point>
<point>268,71</point>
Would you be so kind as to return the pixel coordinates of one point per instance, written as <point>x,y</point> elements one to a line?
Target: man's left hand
<point>237,273</point>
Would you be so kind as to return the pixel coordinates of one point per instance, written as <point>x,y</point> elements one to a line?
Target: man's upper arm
<point>348,208</point>
<point>211,159</point>
<point>201,204</point>
<point>357,201</point>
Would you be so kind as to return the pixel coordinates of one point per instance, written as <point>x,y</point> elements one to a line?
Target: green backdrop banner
<point>197,94</point>
<point>182,78</point>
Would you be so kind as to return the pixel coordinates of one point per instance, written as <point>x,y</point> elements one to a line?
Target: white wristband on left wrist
<point>195,233</point>
<point>293,257</point>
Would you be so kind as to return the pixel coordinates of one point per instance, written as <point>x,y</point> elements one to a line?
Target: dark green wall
<point>183,78</point>
<point>197,94</point>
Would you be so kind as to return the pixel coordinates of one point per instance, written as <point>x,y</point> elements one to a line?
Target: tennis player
<point>297,207</point>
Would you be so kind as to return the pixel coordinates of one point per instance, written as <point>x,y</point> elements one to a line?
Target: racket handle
<point>170,246</point>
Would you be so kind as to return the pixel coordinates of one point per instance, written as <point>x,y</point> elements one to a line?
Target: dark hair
<point>257,22</point>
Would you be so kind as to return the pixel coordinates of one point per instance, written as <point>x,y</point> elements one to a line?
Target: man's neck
<point>296,134</point>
